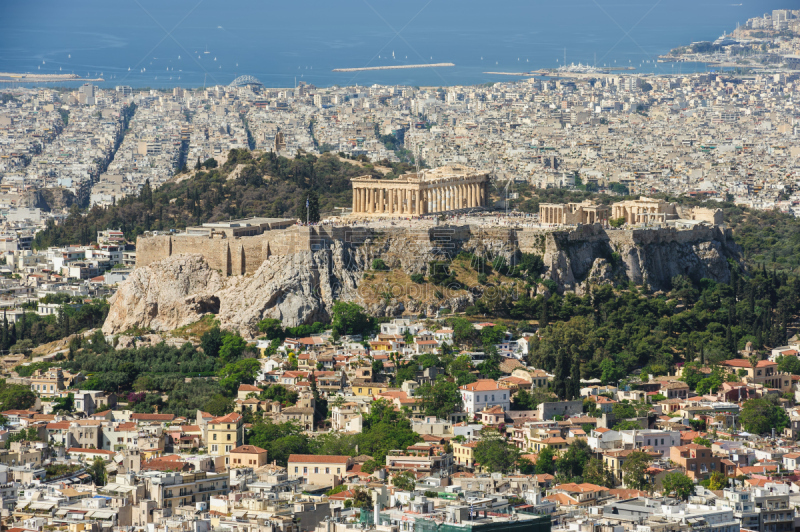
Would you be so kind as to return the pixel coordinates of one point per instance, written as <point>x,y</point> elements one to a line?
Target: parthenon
<point>449,188</point>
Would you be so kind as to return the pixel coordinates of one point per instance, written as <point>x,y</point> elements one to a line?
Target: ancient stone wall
<point>242,256</point>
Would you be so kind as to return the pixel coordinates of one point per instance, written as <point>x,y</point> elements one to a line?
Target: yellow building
<point>225,434</point>
<point>363,388</point>
<point>48,383</point>
<point>463,453</point>
<point>321,470</point>
<point>556,443</point>
<point>380,346</point>
<point>248,456</point>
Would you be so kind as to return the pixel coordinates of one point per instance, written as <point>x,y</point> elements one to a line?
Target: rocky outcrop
<point>172,294</point>
<point>48,199</point>
<point>296,289</point>
<point>592,255</point>
<point>301,287</point>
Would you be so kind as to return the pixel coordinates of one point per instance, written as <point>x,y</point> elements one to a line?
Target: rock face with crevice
<point>301,287</point>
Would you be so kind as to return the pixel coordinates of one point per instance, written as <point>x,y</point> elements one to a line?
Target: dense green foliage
<point>611,333</point>
<point>677,484</point>
<point>32,329</point>
<point>270,186</point>
<point>495,454</point>
<point>15,396</point>
<point>191,378</point>
<point>761,415</point>
<point>439,399</point>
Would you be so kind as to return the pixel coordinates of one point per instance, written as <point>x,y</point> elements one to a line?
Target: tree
<point>377,368</point>
<point>561,381</point>
<point>677,485</point>
<point>789,364</point>
<point>271,328</point>
<point>361,498</point>
<point>385,429</point>
<point>240,372</point>
<point>439,399</point>
<point>308,208</point>
<point>761,415</point>
<point>717,481</point>
<point>633,470</point>
<point>350,318</point>
<point>616,222</point>
<point>232,347</point>
<point>494,454</point>
<point>611,371</point>
<point>218,405</point>
<point>523,401</point>
<point>545,461</point>
<point>15,396</point>
<point>705,442</point>
<point>627,424</point>
<point>405,481</point>
<point>63,404</point>
<point>98,471</point>
<point>211,341</point>
<point>623,411</point>
<point>379,265</point>
<point>595,472</point>
<point>490,367</point>
<point>279,439</point>
<point>572,463</point>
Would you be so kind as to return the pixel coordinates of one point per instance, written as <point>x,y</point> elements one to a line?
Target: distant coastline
<point>393,67</point>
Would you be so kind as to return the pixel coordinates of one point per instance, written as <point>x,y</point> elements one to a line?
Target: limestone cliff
<point>297,288</point>
<point>592,255</point>
<point>301,286</point>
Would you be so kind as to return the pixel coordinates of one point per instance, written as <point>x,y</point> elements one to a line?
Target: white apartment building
<point>484,393</point>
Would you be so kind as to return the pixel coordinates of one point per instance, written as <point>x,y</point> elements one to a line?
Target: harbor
<point>12,77</point>
<point>394,67</point>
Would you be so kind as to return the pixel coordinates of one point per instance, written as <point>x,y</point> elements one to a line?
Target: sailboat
<point>206,52</point>
<point>69,56</point>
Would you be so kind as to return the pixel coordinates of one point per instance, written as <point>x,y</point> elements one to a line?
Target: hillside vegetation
<point>264,185</point>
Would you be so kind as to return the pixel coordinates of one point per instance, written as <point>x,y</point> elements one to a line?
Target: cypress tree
<point>575,378</point>
<point>543,318</point>
<point>562,374</point>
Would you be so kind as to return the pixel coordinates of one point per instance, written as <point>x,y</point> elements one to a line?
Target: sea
<point>195,43</point>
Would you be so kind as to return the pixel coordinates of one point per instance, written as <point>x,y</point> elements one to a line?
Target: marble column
<point>371,201</point>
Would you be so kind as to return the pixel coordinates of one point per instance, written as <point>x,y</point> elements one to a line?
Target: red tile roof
<point>482,385</point>
<point>249,449</point>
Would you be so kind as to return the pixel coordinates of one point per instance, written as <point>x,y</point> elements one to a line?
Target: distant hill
<point>267,185</point>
